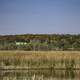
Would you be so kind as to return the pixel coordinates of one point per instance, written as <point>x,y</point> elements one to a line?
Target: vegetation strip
<point>40,42</point>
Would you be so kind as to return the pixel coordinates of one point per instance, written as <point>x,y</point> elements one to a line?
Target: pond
<point>45,74</point>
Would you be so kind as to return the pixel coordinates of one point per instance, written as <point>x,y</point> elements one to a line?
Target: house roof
<point>20,40</point>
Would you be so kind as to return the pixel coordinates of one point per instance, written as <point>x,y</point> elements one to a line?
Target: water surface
<point>46,74</point>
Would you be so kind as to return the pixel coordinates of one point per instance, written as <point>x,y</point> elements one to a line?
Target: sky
<point>39,17</point>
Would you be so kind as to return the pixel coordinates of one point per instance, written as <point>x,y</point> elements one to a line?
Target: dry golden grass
<point>42,54</point>
<point>41,58</point>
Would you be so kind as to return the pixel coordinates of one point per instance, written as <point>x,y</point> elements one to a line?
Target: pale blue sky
<point>39,16</point>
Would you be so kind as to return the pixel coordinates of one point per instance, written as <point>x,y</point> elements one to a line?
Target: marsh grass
<point>40,59</point>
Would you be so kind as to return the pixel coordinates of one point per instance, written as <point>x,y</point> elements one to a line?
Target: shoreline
<point>41,68</point>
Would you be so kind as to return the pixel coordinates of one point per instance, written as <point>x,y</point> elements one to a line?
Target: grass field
<point>39,59</point>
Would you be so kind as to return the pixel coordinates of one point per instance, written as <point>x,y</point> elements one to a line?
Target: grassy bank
<point>39,59</point>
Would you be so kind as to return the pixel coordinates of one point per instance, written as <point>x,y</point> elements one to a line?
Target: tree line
<point>40,42</point>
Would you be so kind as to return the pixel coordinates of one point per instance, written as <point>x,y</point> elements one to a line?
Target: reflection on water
<point>40,75</point>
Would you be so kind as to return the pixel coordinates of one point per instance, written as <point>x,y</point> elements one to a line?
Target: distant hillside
<point>40,42</point>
